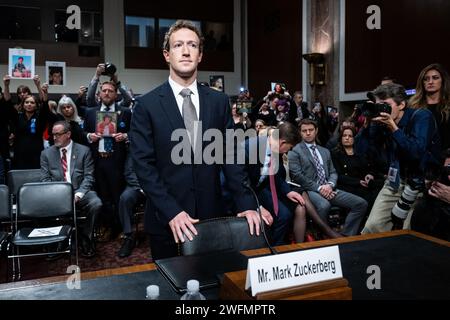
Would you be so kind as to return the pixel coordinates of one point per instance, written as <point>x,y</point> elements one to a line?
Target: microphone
<point>246,184</point>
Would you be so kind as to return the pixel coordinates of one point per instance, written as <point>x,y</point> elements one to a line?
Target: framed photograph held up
<point>55,73</point>
<point>21,63</point>
<point>217,83</point>
<point>106,124</point>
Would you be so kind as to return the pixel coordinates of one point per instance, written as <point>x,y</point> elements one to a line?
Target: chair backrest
<point>17,178</point>
<point>226,233</point>
<point>45,200</point>
<point>5,204</point>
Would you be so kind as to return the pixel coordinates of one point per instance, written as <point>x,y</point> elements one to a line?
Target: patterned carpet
<point>106,258</point>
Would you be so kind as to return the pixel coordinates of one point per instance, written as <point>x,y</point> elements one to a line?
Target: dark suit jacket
<point>81,167</point>
<point>123,126</point>
<point>303,170</point>
<point>257,146</point>
<point>175,188</point>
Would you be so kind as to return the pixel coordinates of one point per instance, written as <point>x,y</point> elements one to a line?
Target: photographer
<point>432,214</point>
<point>107,69</point>
<point>408,136</point>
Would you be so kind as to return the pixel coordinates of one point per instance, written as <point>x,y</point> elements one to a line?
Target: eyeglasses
<point>66,107</point>
<point>59,134</point>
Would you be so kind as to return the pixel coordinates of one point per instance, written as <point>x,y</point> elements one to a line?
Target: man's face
<point>67,111</point>
<point>308,133</point>
<point>432,81</point>
<point>56,78</point>
<point>279,146</point>
<point>298,98</point>
<point>396,108</point>
<point>61,138</point>
<point>184,54</point>
<point>108,94</point>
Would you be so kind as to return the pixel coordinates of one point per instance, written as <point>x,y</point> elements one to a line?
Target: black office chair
<point>5,215</point>
<point>222,234</point>
<point>46,204</point>
<point>17,178</point>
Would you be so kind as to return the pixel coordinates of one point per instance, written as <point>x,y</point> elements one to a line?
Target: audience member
<point>433,93</point>
<point>311,167</point>
<point>72,162</point>
<point>408,135</point>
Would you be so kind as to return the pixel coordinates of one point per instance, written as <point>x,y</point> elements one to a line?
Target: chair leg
<point>18,265</point>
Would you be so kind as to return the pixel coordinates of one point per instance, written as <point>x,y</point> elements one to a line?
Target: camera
<point>110,69</point>
<point>372,110</point>
<point>400,211</point>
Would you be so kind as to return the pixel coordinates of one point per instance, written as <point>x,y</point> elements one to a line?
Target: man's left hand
<point>119,137</point>
<point>253,220</point>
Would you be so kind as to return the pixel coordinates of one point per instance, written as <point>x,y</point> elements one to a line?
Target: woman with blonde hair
<point>433,93</point>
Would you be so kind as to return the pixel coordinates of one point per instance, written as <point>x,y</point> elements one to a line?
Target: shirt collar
<point>112,108</point>
<point>68,147</point>
<point>309,145</point>
<point>176,88</point>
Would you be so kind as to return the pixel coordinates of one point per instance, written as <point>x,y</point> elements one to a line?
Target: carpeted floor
<point>106,258</point>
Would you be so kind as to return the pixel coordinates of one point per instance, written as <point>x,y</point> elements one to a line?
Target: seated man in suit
<point>268,178</point>
<point>72,162</point>
<point>310,166</point>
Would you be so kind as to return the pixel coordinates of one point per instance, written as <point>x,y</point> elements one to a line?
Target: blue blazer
<point>175,188</point>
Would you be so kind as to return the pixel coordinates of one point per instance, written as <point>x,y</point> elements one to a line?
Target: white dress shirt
<point>69,160</point>
<point>176,88</point>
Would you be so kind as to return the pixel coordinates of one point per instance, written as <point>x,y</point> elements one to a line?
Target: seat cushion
<point>21,237</point>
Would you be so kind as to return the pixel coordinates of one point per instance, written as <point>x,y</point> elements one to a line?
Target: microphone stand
<point>246,184</point>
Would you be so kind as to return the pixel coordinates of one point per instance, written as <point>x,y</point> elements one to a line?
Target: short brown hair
<point>289,133</point>
<point>307,122</point>
<point>183,24</point>
<point>110,83</point>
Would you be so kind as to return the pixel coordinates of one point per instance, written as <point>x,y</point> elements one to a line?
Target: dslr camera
<point>371,109</point>
<point>110,69</point>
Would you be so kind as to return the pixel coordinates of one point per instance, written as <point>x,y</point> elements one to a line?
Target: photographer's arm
<point>416,141</point>
<point>90,98</point>
<point>6,93</point>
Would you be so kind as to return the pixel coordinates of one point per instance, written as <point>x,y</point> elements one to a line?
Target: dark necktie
<point>64,162</point>
<point>273,189</point>
<point>320,171</point>
<point>189,114</point>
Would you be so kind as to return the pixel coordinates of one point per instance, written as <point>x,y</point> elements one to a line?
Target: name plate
<point>288,270</point>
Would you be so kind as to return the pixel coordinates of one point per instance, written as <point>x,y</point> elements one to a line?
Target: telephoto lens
<point>402,207</point>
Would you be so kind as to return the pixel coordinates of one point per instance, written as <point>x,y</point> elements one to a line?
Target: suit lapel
<point>205,108</point>
<point>170,107</point>
<point>73,159</point>
<point>308,154</point>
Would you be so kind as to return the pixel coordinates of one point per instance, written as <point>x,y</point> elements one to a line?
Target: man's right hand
<point>183,225</point>
<point>100,70</point>
<point>7,80</point>
<point>326,191</point>
<point>94,137</point>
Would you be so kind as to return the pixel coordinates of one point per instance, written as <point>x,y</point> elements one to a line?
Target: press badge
<point>392,174</point>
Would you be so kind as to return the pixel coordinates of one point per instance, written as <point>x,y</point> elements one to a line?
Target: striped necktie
<point>64,163</point>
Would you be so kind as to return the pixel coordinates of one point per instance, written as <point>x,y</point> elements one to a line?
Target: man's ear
<point>166,55</point>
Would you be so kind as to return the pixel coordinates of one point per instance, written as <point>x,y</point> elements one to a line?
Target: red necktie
<point>64,163</point>
<point>273,189</point>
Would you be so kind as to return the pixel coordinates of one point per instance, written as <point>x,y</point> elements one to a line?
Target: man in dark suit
<point>311,166</point>
<point>182,194</point>
<point>72,162</point>
<point>109,154</point>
